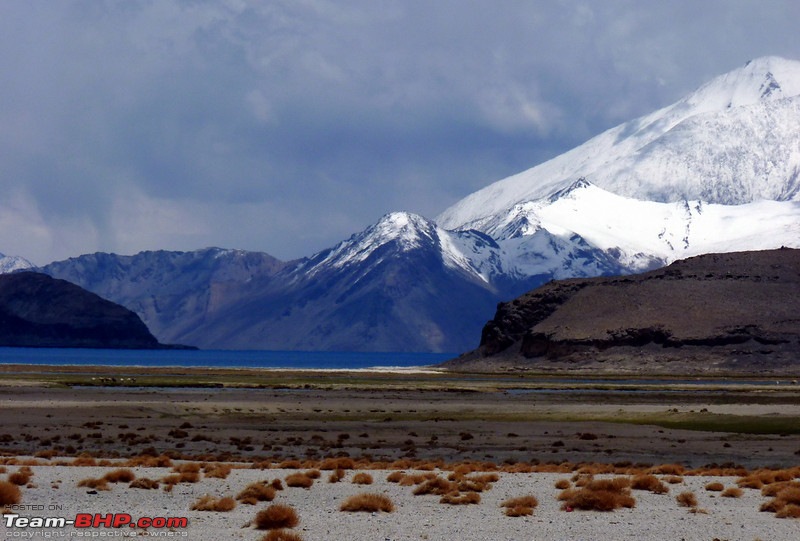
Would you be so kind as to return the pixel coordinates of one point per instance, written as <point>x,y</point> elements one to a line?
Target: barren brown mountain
<point>718,313</point>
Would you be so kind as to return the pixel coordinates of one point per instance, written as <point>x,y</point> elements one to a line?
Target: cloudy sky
<point>285,126</point>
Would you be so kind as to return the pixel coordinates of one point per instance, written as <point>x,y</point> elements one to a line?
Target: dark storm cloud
<point>286,126</point>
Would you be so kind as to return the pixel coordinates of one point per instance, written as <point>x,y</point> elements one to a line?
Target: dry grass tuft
<point>563,484</point>
<point>210,503</point>
<point>674,479</point>
<point>732,492</point>
<point>256,492</point>
<point>10,494</point>
<point>686,499</point>
<point>281,535</point>
<point>371,503</point>
<point>97,484</point>
<point>599,495</point>
<point>521,506</point>
<point>121,475</point>
<point>457,498</point>
<point>649,482</point>
<point>217,471</point>
<point>299,480</point>
<point>336,476</point>
<point>21,477</point>
<point>275,517</point>
<point>362,478</point>
<point>786,503</point>
<point>715,486</point>
<point>436,486</point>
<point>144,483</point>
<point>395,476</point>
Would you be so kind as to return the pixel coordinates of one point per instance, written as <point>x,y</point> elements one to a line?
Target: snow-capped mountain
<point>12,263</point>
<point>734,140</point>
<point>715,172</point>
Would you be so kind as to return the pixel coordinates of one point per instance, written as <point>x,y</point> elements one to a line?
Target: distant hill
<point>715,313</point>
<point>39,311</point>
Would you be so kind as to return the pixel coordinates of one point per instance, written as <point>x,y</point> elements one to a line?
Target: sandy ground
<point>390,421</point>
<point>655,517</point>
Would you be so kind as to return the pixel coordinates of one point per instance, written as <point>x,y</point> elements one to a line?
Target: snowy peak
<point>763,79</point>
<point>735,140</point>
<point>13,263</point>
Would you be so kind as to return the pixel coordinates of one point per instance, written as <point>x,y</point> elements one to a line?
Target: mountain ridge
<point>404,282</point>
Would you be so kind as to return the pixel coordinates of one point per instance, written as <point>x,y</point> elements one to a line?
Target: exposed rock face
<point>736,312</point>
<point>39,311</point>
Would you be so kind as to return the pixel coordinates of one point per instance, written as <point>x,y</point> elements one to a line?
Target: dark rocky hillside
<point>715,313</point>
<point>39,311</point>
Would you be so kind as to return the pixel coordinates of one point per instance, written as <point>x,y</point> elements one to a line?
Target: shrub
<point>732,492</point>
<point>144,483</point>
<point>674,479</point>
<point>210,503</point>
<point>218,471</point>
<point>21,477</point>
<point>649,482</point>
<point>122,475</point>
<point>600,495</point>
<point>256,492</point>
<point>97,484</point>
<point>521,506</point>
<point>715,486</point>
<point>436,486</point>
<point>395,476</point>
<point>300,480</point>
<point>362,478</point>
<point>9,494</point>
<point>336,476</point>
<point>189,467</point>
<point>457,498</point>
<point>281,535</point>
<point>563,484</point>
<point>275,517</point>
<point>371,503</point>
<point>686,499</point>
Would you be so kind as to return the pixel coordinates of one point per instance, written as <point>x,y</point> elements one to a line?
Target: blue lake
<point>217,358</point>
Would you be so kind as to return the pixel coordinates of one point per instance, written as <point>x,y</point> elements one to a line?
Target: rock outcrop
<point>715,313</point>
<point>39,311</point>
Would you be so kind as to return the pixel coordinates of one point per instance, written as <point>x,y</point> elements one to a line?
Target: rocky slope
<point>39,311</point>
<point>735,312</point>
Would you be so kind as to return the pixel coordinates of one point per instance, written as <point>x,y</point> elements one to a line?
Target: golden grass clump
<point>457,498</point>
<point>674,479</point>
<point>10,493</point>
<point>256,492</point>
<point>121,475</point>
<point>362,478</point>
<point>299,480</point>
<point>336,476</point>
<point>96,484</point>
<point>281,535</point>
<point>436,486</point>
<point>144,483</point>
<point>563,484</point>
<point>732,492</point>
<point>276,516</point>
<point>21,477</point>
<point>649,482</point>
<point>786,503</point>
<point>208,502</point>
<point>395,476</point>
<point>521,506</point>
<point>599,495</point>
<point>371,503</point>
<point>217,471</point>
<point>715,486</point>
<point>188,467</point>
<point>686,499</point>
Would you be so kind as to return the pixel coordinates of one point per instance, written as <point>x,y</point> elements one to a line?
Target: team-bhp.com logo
<point>87,523</point>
